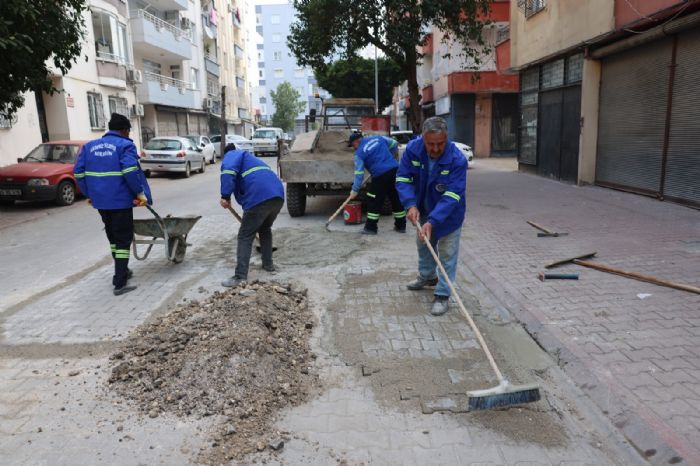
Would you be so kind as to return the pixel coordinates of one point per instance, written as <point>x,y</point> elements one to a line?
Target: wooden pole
<point>637,276</point>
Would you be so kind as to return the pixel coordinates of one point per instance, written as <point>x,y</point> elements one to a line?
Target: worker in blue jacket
<point>109,175</point>
<point>431,182</point>
<point>261,194</point>
<point>373,153</point>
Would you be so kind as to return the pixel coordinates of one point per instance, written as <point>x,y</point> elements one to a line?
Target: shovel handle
<point>235,214</point>
<point>330,219</point>
<point>472,324</point>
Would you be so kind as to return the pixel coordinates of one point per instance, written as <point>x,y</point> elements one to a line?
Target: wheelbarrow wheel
<point>180,245</point>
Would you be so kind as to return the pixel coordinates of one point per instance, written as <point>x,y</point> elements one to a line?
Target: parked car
<point>207,147</point>
<point>467,152</point>
<point>241,142</point>
<point>46,173</point>
<point>265,141</point>
<point>172,154</point>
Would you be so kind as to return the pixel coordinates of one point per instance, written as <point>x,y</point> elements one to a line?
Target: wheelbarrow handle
<point>160,221</point>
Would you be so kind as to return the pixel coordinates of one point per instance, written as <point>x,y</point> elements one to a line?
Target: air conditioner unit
<point>134,76</point>
<point>207,103</point>
<point>185,23</point>
<point>137,110</point>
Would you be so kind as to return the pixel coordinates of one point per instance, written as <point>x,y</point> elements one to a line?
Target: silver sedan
<point>172,154</point>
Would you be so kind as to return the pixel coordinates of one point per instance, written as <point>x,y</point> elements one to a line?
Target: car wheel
<point>213,158</point>
<point>204,165</point>
<point>188,170</point>
<point>65,194</point>
<point>147,173</point>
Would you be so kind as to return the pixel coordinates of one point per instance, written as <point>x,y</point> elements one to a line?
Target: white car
<point>467,152</point>
<point>205,144</point>
<point>172,154</point>
<point>240,142</point>
<point>266,141</point>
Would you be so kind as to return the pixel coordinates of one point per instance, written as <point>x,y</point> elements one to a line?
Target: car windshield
<point>264,134</point>
<point>163,144</point>
<point>215,139</point>
<point>60,153</point>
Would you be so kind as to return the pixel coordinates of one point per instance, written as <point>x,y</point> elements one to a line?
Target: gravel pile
<point>241,355</point>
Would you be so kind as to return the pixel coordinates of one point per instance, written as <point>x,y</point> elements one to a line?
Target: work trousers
<point>256,220</point>
<point>119,226</point>
<point>380,187</point>
<point>447,249</point>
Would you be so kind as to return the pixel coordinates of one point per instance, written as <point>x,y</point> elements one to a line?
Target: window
<point>277,56</point>
<point>299,73</point>
<point>275,19</point>
<point>97,111</point>
<point>118,105</point>
<point>279,73</point>
<point>529,84</point>
<point>574,68</point>
<point>261,74</point>
<point>110,37</point>
<point>530,7</point>
<point>552,74</point>
<point>260,56</point>
<point>263,100</point>
<point>258,19</point>
<point>151,66</point>
<point>276,38</point>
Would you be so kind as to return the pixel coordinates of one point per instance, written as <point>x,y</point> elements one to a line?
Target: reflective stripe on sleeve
<point>415,163</point>
<point>360,173</point>
<point>371,195</point>
<point>401,179</point>
<point>130,169</point>
<point>454,196</point>
<point>445,172</point>
<point>230,172</point>
<point>103,173</point>
<point>79,175</point>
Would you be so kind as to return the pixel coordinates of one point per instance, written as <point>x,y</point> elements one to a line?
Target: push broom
<point>503,394</point>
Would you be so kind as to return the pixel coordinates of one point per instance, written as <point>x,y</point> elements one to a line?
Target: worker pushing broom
<point>431,182</point>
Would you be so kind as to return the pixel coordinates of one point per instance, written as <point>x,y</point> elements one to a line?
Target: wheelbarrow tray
<point>175,226</point>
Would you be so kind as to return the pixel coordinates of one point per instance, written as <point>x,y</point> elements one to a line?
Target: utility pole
<point>376,82</point>
<point>223,121</point>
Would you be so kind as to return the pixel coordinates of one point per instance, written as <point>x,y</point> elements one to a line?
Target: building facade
<point>479,101</point>
<point>276,63</point>
<point>160,63</point>
<point>609,93</point>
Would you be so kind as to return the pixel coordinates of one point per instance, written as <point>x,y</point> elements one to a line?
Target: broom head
<point>503,394</point>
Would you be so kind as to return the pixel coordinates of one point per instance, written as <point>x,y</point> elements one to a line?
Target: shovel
<point>330,219</point>
<point>240,220</point>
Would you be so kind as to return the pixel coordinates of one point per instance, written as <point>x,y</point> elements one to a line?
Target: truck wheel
<point>296,199</point>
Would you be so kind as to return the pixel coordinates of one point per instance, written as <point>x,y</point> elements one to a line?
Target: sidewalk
<point>632,347</point>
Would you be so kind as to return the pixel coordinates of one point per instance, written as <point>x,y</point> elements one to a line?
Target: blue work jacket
<point>249,179</point>
<point>374,154</point>
<point>443,190</point>
<point>108,172</point>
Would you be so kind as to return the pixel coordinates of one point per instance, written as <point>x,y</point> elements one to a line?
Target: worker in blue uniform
<point>373,153</point>
<point>109,175</point>
<point>431,181</point>
<point>261,194</point>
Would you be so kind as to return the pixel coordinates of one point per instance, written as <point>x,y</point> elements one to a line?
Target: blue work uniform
<point>249,179</point>
<point>373,153</point>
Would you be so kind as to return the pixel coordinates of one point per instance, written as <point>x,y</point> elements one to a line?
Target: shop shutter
<point>167,124</point>
<point>633,96</point>
<point>683,162</point>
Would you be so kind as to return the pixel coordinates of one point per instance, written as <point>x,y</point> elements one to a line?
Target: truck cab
<point>266,141</point>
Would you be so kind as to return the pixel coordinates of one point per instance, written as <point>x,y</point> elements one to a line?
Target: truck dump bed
<point>319,157</point>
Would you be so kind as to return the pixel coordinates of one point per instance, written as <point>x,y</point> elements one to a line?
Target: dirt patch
<point>242,355</point>
<point>314,248</point>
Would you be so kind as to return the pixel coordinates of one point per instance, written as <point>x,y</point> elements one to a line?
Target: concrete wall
<point>23,136</point>
<point>628,12</point>
<point>561,25</point>
<point>482,125</point>
<point>590,102</point>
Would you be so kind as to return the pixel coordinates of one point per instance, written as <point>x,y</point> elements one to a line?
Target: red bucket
<point>352,212</point>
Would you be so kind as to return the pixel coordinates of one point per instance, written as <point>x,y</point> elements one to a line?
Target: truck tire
<point>296,199</point>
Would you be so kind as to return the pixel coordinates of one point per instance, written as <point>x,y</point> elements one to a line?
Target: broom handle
<point>330,219</point>
<point>489,356</point>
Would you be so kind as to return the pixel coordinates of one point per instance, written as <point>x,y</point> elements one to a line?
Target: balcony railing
<point>211,57</point>
<point>162,24</point>
<point>106,56</point>
<point>166,81</point>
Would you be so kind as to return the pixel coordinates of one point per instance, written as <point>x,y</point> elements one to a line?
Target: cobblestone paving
<point>633,347</point>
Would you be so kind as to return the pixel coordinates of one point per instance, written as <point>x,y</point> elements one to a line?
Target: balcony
<point>211,65</point>
<point>111,70</point>
<point>238,51</point>
<point>172,5</point>
<point>210,28</point>
<point>158,89</point>
<point>156,37</point>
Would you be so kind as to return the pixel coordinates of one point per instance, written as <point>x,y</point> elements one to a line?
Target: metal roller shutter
<point>167,124</point>
<point>633,96</point>
<point>682,180</point>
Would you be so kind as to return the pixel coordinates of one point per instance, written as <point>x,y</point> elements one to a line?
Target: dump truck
<point>320,162</point>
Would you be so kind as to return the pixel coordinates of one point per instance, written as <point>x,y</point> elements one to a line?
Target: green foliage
<point>355,78</point>
<point>32,33</point>
<point>332,28</point>
<point>287,106</point>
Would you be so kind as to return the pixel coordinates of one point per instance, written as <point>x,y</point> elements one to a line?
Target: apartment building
<point>276,63</point>
<point>609,93</point>
<point>93,88</point>
<point>479,101</point>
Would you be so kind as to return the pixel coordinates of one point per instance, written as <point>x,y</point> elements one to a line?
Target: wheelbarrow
<point>170,231</point>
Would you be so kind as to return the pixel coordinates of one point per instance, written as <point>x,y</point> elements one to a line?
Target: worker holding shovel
<point>261,194</point>
<point>431,182</point>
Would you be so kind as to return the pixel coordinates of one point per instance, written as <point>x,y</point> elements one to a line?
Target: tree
<point>31,34</point>
<point>327,28</point>
<point>287,106</point>
<point>354,77</point>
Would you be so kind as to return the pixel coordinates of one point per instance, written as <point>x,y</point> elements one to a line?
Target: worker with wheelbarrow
<point>261,194</point>
<point>109,175</point>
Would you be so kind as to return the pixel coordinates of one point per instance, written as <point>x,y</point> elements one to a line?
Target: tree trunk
<point>415,115</point>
